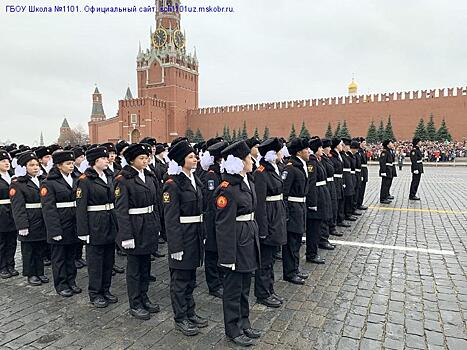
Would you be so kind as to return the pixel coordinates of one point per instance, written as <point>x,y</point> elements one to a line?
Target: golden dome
<point>353,86</point>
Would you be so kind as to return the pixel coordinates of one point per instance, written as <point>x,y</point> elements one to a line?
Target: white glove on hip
<point>344,186</point>
<point>128,244</point>
<point>415,172</point>
<point>84,238</point>
<point>57,238</point>
<point>177,256</point>
<point>229,266</point>
<point>313,208</point>
<point>383,174</point>
<point>23,232</point>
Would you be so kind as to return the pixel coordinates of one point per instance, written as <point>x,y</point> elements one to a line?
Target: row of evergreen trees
<point>382,133</point>
<point>429,132</point>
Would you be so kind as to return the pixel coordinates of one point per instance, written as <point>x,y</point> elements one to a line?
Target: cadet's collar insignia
<point>166,197</point>
<point>284,175</point>
<point>117,191</point>
<point>12,192</point>
<point>225,184</point>
<point>79,193</point>
<point>44,191</point>
<point>311,168</point>
<point>82,177</point>
<point>211,185</point>
<point>221,202</point>
<point>261,168</point>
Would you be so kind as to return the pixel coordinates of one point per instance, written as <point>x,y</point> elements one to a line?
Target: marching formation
<point>235,208</point>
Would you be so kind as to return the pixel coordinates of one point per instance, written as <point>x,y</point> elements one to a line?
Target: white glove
<point>313,208</point>
<point>177,256</point>
<point>383,174</point>
<point>128,244</point>
<point>362,178</point>
<point>229,266</point>
<point>57,238</point>
<point>23,232</point>
<point>415,172</point>
<point>344,186</point>
<point>204,241</point>
<point>84,238</point>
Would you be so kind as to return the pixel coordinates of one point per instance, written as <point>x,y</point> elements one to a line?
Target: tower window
<point>134,119</point>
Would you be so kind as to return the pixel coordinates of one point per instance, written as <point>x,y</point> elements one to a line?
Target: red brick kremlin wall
<point>405,109</point>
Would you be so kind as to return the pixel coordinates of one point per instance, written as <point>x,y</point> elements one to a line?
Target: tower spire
<point>97,113</point>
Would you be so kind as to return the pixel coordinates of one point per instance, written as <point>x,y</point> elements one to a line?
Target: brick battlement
<point>338,101</point>
<point>143,101</point>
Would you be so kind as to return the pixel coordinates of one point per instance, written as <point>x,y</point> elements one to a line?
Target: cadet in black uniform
<point>271,218</point>
<point>237,241</point>
<point>138,223</point>
<point>27,213</point>
<point>214,274</point>
<point>386,171</point>
<point>364,174</point>
<point>59,211</point>
<point>357,175</point>
<point>97,225</point>
<point>416,157</point>
<point>253,143</point>
<point>349,184</point>
<point>183,209</point>
<point>338,163</point>
<point>295,176</point>
<point>8,232</point>
<point>318,201</point>
<point>79,159</point>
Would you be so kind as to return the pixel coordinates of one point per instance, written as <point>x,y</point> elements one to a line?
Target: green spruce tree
<point>304,131</point>
<point>244,134</point>
<point>388,132</point>
<point>443,134</point>
<point>381,133</point>
<point>293,133</point>
<point>226,134</point>
<point>372,135</point>
<point>328,133</point>
<point>265,133</point>
<point>239,135</point>
<point>345,132</point>
<point>420,131</point>
<point>431,133</point>
<point>256,133</point>
<point>234,136</point>
<point>189,134</point>
<point>198,136</point>
<point>337,132</point>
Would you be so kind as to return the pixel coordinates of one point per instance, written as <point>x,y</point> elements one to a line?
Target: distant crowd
<point>433,151</point>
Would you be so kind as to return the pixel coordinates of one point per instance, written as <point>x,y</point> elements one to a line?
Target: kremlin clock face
<point>159,37</point>
<point>179,40</point>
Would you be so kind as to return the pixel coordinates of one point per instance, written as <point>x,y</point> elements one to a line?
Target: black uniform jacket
<point>364,161</point>
<point>295,185</point>
<point>23,191</point>
<point>338,173</point>
<point>318,196</point>
<point>237,241</point>
<point>416,158</point>
<point>212,181</point>
<point>100,226</point>
<point>7,224</point>
<point>270,215</point>
<point>182,200</point>
<point>386,164</point>
<point>132,193</point>
<point>58,221</point>
<point>349,188</point>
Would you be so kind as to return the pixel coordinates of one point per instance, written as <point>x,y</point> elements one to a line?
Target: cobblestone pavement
<point>362,298</point>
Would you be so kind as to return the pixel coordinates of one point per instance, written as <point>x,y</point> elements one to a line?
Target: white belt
<point>321,183</point>
<point>246,217</point>
<point>137,211</point>
<point>347,170</point>
<point>5,201</point>
<point>330,179</point>
<point>338,176</point>
<point>352,172</point>
<point>419,161</point>
<point>297,199</point>
<point>191,219</point>
<point>395,163</point>
<point>364,165</point>
<point>388,164</point>
<point>66,205</point>
<point>33,205</point>
<point>277,197</point>
<point>358,170</point>
<point>101,207</point>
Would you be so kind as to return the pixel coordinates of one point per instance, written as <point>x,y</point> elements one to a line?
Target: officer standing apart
<point>386,171</point>
<point>416,157</point>
<point>237,241</point>
<point>138,222</point>
<point>271,218</point>
<point>183,207</point>
<point>295,176</point>
<point>59,210</point>
<point>97,225</point>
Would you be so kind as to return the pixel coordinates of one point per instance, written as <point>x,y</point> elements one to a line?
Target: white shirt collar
<point>245,180</point>
<point>68,179</point>
<point>111,167</point>
<point>140,174</point>
<point>304,166</point>
<point>191,178</point>
<point>5,176</point>
<point>276,168</point>
<point>103,177</point>
<point>35,180</point>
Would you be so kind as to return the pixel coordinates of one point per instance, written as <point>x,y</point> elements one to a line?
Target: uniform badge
<point>221,202</point>
<point>12,192</point>
<point>117,191</point>
<point>284,175</point>
<point>79,193</point>
<point>166,197</point>
<point>211,185</point>
<point>44,191</point>
<point>310,168</point>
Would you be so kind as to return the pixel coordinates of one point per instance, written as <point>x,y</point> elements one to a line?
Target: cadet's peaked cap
<point>252,142</point>
<point>238,149</point>
<point>62,156</point>
<point>386,143</point>
<point>110,147</point>
<point>136,149</point>
<point>355,144</point>
<point>335,142</point>
<point>159,148</point>
<point>96,153</point>
<point>78,152</point>
<point>415,141</point>
<point>180,151</point>
<point>271,144</point>
<point>4,155</point>
<point>216,149</point>
<point>120,145</point>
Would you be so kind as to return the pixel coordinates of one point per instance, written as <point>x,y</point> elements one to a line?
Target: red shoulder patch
<point>12,192</point>
<point>82,177</point>
<point>44,191</point>
<point>289,163</point>
<point>261,168</point>
<point>222,201</point>
<point>210,171</point>
<point>169,181</point>
<point>118,177</point>
<point>225,184</point>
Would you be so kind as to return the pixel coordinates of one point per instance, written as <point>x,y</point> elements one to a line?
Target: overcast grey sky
<point>265,51</point>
